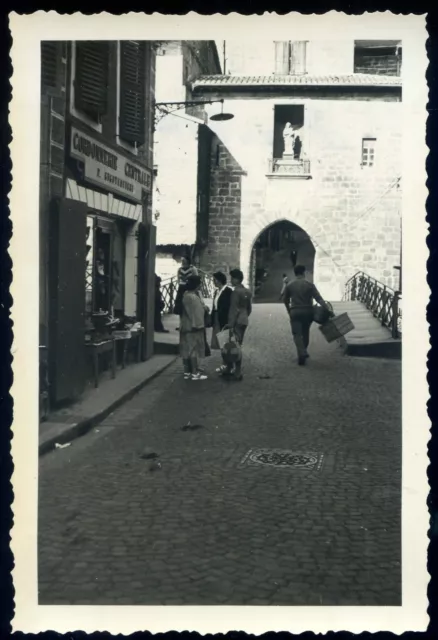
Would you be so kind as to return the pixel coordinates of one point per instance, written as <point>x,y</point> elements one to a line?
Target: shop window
<point>91,78</point>
<point>89,266</point>
<point>378,57</point>
<point>117,270</point>
<point>368,152</point>
<point>290,57</point>
<point>105,260</point>
<point>133,108</point>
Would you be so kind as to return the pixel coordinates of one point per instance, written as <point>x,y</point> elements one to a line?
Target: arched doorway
<point>273,254</point>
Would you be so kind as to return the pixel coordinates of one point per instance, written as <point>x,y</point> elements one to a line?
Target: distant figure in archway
<point>298,298</point>
<point>293,246</point>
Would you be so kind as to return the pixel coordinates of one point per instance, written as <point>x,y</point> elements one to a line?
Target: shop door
<point>67,242</point>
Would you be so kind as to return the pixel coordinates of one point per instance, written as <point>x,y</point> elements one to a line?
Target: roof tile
<point>344,80</point>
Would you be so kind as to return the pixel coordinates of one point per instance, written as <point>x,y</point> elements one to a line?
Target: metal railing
<point>383,302</point>
<point>169,289</point>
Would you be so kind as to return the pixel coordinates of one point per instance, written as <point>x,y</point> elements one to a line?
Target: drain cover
<point>284,458</point>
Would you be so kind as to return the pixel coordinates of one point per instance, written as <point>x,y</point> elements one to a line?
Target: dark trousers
<point>301,320</point>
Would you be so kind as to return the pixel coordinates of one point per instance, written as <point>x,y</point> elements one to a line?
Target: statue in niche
<point>289,139</point>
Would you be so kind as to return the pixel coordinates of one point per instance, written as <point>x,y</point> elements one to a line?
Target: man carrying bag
<point>298,299</point>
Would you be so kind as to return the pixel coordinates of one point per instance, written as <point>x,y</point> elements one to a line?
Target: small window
<point>378,57</point>
<point>368,152</point>
<point>290,57</point>
<point>91,78</point>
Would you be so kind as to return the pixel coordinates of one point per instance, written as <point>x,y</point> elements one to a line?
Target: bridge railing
<point>383,302</point>
<point>169,289</point>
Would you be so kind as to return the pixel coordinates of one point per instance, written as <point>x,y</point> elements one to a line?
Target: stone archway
<point>274,251</point>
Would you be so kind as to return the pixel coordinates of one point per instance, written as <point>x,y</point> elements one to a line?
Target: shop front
<point>102,264</point>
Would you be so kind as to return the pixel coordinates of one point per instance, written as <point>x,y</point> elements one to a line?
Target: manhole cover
<point>284,458</point>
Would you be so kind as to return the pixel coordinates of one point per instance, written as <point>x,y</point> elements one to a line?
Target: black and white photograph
<point>227,244</point>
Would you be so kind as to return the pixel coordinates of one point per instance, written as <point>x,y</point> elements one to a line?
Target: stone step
<point>369,338</point>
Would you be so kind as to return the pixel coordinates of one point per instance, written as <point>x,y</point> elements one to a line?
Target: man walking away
<point>240,310</point>
<point>298,298</point>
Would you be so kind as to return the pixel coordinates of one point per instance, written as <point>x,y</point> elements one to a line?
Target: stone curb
<point>78,429</point>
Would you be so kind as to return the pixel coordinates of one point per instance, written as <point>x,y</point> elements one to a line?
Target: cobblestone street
<point>210,526</point>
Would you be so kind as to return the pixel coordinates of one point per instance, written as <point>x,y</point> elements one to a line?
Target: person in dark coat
<point>221,306</point>
<point>159,307</point>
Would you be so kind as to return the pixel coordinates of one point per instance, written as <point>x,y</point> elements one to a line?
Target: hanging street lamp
<point>163,109</point>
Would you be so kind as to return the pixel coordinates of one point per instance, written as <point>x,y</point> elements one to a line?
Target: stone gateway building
<point>310,164</point>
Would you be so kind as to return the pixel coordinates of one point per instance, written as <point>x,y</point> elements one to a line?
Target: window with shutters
<point>51,54</point>
<point>290,57</point>
<point>132,111</point>
<point>91,78</point>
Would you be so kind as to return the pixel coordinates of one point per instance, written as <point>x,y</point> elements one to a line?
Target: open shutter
<point>91,78</point>
<point>132,92</point>
<point>298,58</point>
<point>49,65</point>
<point>281,58</point>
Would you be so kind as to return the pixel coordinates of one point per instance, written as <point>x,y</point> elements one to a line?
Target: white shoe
<point>221,369</point>
<point>198,376</point>
<point>187,376</point>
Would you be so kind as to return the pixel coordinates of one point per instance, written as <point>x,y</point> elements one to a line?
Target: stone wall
<point>351,213</point>
<point>223,251</point>
<point>377,64</point>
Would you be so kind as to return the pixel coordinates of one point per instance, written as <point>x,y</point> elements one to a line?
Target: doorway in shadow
<point>276,250</point>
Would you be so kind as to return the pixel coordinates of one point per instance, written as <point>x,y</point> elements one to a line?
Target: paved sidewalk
<point>209,526</point>
<point>64,425</point>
